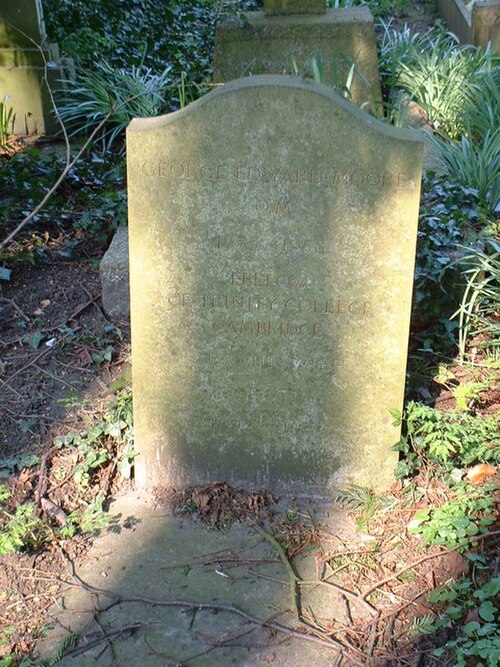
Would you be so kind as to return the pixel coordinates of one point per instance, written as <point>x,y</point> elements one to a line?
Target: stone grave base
<point>151,555</point>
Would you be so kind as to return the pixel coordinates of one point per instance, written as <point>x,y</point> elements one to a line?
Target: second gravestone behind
<point>272,242</point>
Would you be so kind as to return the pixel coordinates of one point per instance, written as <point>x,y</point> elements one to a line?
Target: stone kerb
<point>273,7</point>
<point>272,239</point>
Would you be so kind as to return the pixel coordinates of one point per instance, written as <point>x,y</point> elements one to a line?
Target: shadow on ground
<point>157,589</point>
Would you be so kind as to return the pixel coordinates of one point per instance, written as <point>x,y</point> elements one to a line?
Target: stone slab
<point>151,554</point>
<point>272,44</point>
<point>114,275</point>
<point>21,23</point>
<point>272,7</point>
<point>272,230</point>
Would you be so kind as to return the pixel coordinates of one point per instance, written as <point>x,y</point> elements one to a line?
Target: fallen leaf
<point>397,487</point>
<point>477,473</point>
<point>24,476</point>
<point>84,357</point>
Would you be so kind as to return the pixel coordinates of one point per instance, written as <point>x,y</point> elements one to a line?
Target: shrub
<point>113,96</point>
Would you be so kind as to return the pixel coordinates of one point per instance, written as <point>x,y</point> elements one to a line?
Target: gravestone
<point>23,53</point>
<point>486,24</point>
<point>272,231</point>
<point>278,41</point>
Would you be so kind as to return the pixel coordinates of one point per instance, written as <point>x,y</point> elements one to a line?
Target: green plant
<point>151,33</point>
<point>444,78</point>
<point>445,440</point>
<point>474,164</point>
<point>379,8</point>
<point>448,220</point>
<point>111,436</point>
<point>476,641</point>
<point>467,394</point>
<point>13,661</point>
<point>362,501</point>
<point>94,517</point>
<point>481,300</point>
<point>483,113</point>
<point>17,463</point>
<point>63,644</point>
<point>23,531</point>
<point>90,203</point>
<point>341,4</point>
<point>395,47</point>
<point>112,96</point>
<point>7,119</point>
<point>454,523</point>
<point>331,75</point>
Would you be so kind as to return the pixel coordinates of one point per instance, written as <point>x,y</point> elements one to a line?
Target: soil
<point>53,343</point>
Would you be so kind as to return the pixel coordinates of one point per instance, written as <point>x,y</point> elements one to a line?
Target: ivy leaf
<point>487,611</point>
<point>489,590</point>
<point>470,628</point>
<point>34,339</point>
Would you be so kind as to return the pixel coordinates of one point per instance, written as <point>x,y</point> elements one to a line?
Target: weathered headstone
<point>23,73</point>
<point>279,42</point>
<point>21,23</point>
<point>272,238</point>
<point>486,24</point>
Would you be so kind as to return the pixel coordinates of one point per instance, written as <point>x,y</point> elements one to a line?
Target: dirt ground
<point>57,351</point>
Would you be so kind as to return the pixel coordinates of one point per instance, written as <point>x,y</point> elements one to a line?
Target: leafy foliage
<point>449,221</point>
<point>454,523</point>
<point>444,79</point>
<point>7,120</point>
<point>475,164</point>
<point>110,97</point>
<point>133,33</point>
<point>479,638</point>
<point>114,424</point>
<point>23,530</point>
<point>364,502</point>
<point>447,439</point>
<point>478,312</point>
<point>379,8</point>
<point>88,206</point>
